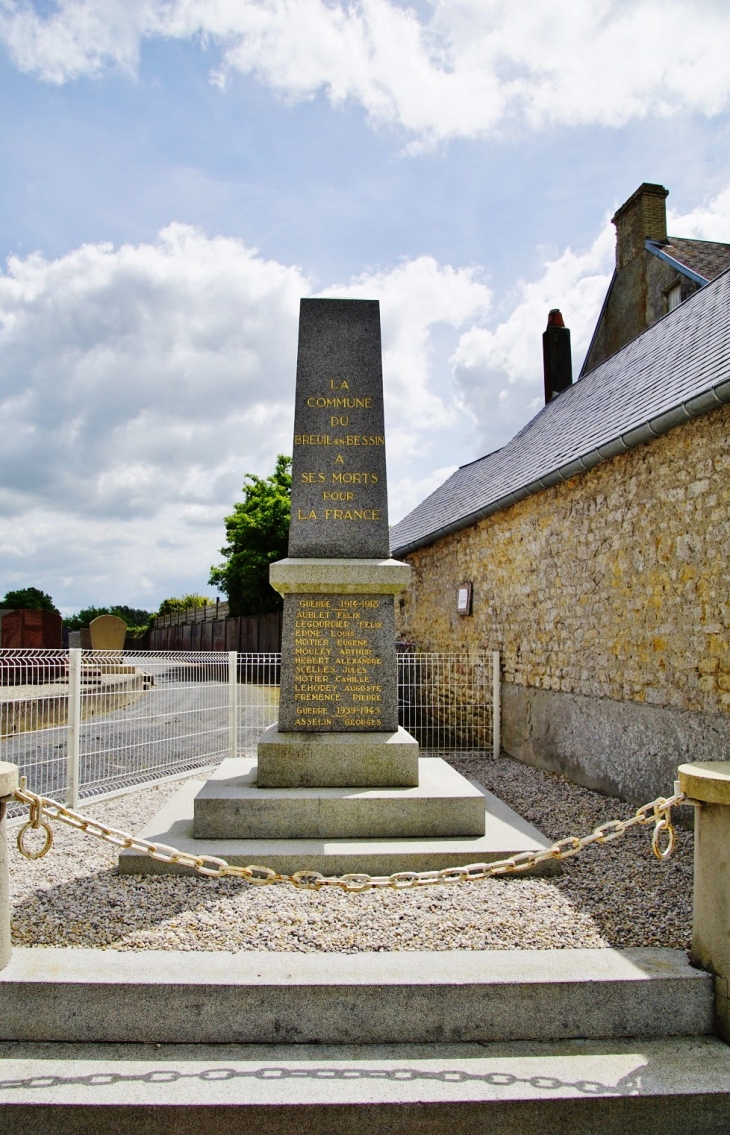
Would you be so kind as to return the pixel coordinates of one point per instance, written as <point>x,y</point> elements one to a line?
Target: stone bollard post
<point>8,782</point>
<point>709,783</point>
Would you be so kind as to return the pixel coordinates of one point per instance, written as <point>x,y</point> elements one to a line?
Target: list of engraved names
<point>338,663</point>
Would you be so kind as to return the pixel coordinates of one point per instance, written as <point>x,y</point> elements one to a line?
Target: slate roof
<point>706,257</point>
<point>677,369</point>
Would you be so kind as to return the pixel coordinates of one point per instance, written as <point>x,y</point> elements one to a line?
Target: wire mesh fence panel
<point>34,687</point>
<point>447,701</point>
<point>130,718</point>
<point>258,697</point>
<point>82,723</point>
<point>150,715</point>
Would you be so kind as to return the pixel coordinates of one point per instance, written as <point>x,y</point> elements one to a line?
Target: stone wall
<point>613,585</point>
<point>636,300</point>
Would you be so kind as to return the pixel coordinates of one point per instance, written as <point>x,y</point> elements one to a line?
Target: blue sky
<point>177,173</point>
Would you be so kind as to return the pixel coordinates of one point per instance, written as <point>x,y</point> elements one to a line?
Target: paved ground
<point>178,724</point>
<point>614,895</point>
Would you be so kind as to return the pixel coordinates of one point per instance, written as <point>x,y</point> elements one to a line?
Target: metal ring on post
<point>667,826</point>
<point>46,845</point>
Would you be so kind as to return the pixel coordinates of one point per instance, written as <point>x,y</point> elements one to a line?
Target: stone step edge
<point>454,996</point>
<point>690,1077</point>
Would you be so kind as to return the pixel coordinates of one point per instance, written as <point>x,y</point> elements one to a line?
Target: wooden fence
<point>250,634</point>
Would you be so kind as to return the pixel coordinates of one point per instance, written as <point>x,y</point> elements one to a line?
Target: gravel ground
<point>614,895</point>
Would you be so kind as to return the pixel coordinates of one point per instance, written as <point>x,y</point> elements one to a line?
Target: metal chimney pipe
<point>556,356</point>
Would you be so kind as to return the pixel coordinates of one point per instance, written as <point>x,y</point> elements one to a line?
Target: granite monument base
<point>328,760</point>
<point>232,805</point>
<point>505,834</point>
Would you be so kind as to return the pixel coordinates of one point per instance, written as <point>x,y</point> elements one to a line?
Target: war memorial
<point>404,1041</point>
<point>337,785</point>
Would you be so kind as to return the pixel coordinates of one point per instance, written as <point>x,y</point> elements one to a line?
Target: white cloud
<point>466,68</point>
<point>706,222</point>
<point>415,297</point>
<point>139,384</point>
<point>500,369</point>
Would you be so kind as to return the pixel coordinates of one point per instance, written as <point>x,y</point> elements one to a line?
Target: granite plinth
<point>339,495</point>
<point>342,577</point>
<point>339,669</point>
<point>327,760</point>
<point>505,834</point>
<point>231,805</point>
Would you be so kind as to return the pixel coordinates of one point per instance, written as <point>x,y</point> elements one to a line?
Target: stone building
<point>654,272</point>
<point>596,543</point>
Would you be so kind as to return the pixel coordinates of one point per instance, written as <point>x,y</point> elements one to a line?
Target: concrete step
<point>232,805</point>
<point>505,834</point>
<point>582,1087</point>
<point>379,998</point>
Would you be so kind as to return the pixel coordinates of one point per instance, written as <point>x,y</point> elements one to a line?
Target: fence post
<point>709,783</point>
<point>74,728</point>
<point>233,702</point>
<point>8,782</point>
<point>496,706</point>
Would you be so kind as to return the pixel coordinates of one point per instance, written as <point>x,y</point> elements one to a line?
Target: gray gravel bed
<point>614,895</point>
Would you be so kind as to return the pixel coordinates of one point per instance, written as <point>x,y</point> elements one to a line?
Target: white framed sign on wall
<point>463,599</point>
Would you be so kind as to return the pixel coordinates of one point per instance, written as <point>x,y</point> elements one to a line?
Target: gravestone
<point>107,632</point>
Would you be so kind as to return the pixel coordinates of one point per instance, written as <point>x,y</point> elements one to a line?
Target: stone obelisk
<point>338,714</point>
<point>336,765</point>
<point>336,784</point>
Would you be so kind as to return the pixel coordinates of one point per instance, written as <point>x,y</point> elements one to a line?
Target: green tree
<point>167,606</point>
<point>257,533</point>
<point>132,616</point>
<point>28,599</point>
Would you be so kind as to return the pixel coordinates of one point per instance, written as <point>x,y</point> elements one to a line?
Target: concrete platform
<point>376,998</point>
<point>360,1044</point>
<point>290,760</point>
<point>505,834</point>
<point>578,1087</point>
<point>232,805</point>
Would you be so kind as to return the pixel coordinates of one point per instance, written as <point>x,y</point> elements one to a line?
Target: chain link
<point>658,813</point>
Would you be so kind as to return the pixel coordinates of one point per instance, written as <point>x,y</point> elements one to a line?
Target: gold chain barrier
<point>658,813</point>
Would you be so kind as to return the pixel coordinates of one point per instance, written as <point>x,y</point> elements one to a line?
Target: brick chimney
<point>556,357</point>
<point>642,217</point>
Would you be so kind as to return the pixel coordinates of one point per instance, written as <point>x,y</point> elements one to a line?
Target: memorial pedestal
<point>332,760</point>
<point>505,834</point>
<point>232,805</point>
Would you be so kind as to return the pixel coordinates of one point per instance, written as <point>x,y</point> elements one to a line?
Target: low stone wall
<point>615,747</point>
<point>27,708</point>
<point>609,591</point>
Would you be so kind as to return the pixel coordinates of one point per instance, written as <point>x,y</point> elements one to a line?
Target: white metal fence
<point>450,702</point>
<point>89,723</point>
